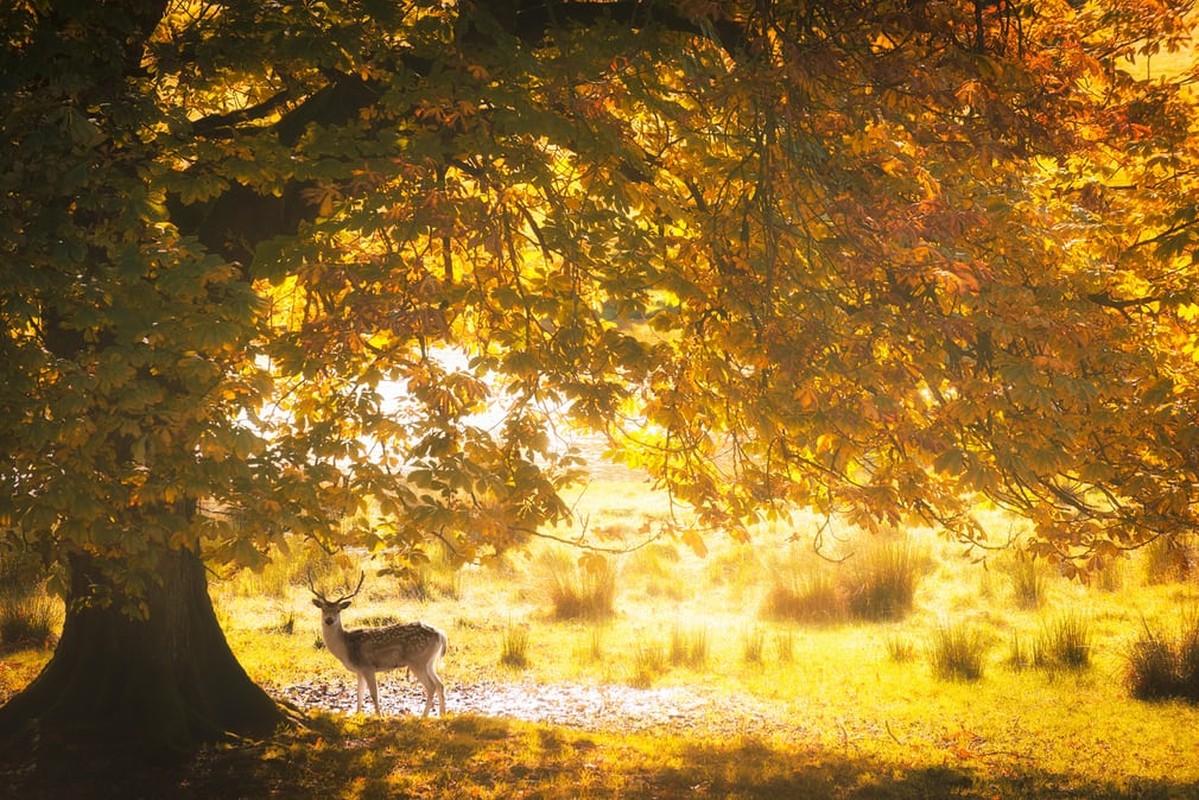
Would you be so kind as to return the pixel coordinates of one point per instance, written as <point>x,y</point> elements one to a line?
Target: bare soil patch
<point>608,707</point>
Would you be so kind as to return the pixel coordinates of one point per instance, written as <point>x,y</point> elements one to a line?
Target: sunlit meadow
<point>888,654</point>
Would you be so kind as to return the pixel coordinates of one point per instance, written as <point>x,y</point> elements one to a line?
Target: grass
<point>900,649</point>
<point>847,707</point>
<point>28,618</point>
<point>649,662</point>
<point>515,651</point>
<point>465,756</point>
<point>1164,668</point>
<point>958,652</point>
<point>754,645</point>
<point>1028,583</point>
<point>688,647</point>
<point>878,582</point>
<point>1064,643</point>
<point>811,596</point>
<point>576,590</point>
<point>883,579</point>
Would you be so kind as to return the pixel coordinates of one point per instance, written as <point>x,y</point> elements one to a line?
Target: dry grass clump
<point>577,590</point>
<point>883,579</point>
<point>876,583</point>
<point>515,647</point>
<point>29,616</point>
<point>958,652</point>
<point>1162,668</point>
<point>1028,582</point>
<point>811,595</point>
<point>1064,643</point>
<point>688,647</point>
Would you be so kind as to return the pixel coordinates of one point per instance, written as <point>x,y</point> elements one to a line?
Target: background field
<point>908,666</point>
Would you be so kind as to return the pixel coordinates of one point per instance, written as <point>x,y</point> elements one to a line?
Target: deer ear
<point>316,602</point>
<point>344,605</point>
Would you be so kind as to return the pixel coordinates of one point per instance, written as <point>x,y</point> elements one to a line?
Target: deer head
<point>331,609</point>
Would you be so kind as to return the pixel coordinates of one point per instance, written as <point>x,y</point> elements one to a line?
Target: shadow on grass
<point>469,756</point>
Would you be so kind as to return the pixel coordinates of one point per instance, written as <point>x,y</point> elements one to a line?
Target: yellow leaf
<point>696,542</point>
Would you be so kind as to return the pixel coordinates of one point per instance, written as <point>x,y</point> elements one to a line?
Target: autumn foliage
<point>344,270</point>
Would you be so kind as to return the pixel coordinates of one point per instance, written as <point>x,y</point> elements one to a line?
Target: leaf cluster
<point>348,270</point>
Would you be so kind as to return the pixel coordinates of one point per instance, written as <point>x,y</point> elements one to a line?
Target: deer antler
<point>312,588</point>
<point>342,599</point>
<point>358,588</point>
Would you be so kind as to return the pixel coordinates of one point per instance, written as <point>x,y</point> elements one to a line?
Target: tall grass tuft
<point>27,618</point>
<point>1153,670</point>
<point>576,591</point>
<point>515,647</point>
<point>649,661</point>
<point>433,576</point>
<point>958,652</point>
<point>688,648</point>
<point>1028,583</point>
<point>900,649</point>
<point>657,566</point>
<point>883,578</point>
<point>1170,559</point>
<point>1018,658</point>
<point>1110,577</point>
<point>595,643</point>
<point>28,614</point>
<point>1160,668</point>
<point>753,646</point>
<point>1064,643</point>
<point>809,596</point>
<point>784,645</point>
<point>1188,661</point>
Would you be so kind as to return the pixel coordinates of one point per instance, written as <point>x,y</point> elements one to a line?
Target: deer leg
<point>439,687</point>
<point>374,687</point>
<point>428,679</point>
<point>361,683</point>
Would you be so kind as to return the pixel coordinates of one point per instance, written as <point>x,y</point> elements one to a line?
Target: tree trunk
<point>169,683</point>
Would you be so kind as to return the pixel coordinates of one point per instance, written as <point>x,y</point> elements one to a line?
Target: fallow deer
<point>366,651</point>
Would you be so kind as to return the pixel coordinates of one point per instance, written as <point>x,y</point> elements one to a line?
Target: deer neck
<point>335,640</point>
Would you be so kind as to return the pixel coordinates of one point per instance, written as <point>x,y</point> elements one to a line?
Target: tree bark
<point>166,684</point>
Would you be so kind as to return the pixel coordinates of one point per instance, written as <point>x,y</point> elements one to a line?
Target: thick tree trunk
<point>168,683</point>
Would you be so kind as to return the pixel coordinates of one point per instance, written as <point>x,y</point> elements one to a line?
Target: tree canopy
<point>887,260</point>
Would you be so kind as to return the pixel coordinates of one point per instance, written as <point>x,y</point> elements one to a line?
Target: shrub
<point>958,652</point>
<point>577,591</point>
<point>883,579</point>
<point>1064,643</point>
